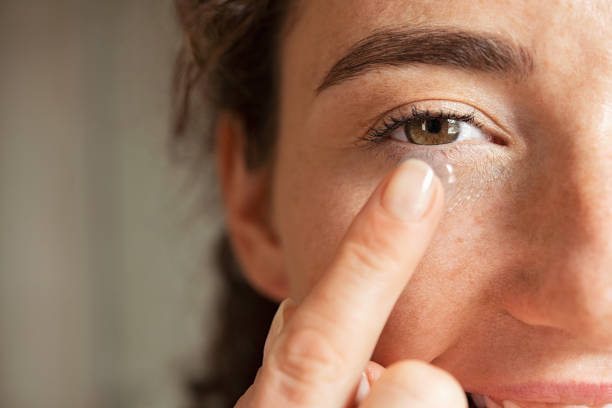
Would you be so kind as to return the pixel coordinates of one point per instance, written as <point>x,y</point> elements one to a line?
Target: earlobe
<point>246,199</point>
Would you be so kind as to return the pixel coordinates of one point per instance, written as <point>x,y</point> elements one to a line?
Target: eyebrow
<point>441,46</point>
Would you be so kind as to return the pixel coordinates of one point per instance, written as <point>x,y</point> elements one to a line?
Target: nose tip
<point>587,268</point>
<point>572,300</point>
<point>592,316</point>
<point>581,276</point>
<point>566,278</point>
<point>576,295</point>
<point>576,287</point>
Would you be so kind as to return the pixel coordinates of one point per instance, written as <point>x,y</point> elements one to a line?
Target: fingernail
<point>410,191</point>
<point>363,390</point>
<point>440,166</point>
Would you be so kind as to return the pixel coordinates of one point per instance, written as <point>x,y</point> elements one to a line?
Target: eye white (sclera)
<point>466,132</point>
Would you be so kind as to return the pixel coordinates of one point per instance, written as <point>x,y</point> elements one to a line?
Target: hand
<point>317,354</point>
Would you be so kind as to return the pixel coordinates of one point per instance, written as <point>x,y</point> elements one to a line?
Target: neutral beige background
<point>103,275</point>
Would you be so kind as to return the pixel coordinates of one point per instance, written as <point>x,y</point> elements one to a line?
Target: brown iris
<point>432,131</point>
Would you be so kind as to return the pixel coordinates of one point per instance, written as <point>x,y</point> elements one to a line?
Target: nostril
<point>591,319</point>
<point>578,305</point>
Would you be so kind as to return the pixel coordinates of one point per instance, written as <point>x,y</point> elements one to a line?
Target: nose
<point>566,280</point>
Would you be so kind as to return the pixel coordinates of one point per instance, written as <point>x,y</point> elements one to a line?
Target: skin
<point>515,286</point>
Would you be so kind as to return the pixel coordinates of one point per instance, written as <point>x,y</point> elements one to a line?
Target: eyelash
<point>392,123</point>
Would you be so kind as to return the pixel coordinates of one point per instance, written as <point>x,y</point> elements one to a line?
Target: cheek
<point>457,286</point>
<point>458,282</point>
<point>446,295</point>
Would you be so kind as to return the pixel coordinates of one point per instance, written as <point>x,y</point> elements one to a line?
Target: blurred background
<point>104,275</point>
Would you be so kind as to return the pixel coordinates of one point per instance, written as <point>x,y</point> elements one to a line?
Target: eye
<point>446,125</point>
<point>435,131</point>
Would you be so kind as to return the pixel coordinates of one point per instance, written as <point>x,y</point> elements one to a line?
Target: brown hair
<point>229,63</point>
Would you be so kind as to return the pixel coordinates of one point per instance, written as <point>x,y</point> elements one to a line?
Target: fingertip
<point>373,371</point>
<point>411,191</point>
<point>363,389</point>
<point>425,382</point>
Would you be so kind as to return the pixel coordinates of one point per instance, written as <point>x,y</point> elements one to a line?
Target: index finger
<point>333,332</point>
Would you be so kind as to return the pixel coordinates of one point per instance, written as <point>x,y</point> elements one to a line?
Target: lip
<point>576,393</point>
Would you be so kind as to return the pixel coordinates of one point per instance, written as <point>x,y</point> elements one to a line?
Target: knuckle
<point>376,242</point>
<point>305,357</point>
<point>368,254</point>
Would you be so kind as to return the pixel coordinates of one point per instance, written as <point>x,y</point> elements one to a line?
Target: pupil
<point>433,125</point>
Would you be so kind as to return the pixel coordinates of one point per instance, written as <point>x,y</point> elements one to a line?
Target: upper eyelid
<point>375,119</point>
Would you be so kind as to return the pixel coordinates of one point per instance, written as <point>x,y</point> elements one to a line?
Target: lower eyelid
<point>393,150</point>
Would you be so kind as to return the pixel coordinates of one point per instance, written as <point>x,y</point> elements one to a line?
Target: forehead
<point>562,34</point>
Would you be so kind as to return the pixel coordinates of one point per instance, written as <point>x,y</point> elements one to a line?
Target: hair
<point>229,63</point>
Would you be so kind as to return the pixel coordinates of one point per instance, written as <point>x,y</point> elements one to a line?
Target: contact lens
<point>467,175</point>
<point>443,169</point>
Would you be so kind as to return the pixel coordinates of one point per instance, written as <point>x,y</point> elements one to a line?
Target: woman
<point>408,289</point>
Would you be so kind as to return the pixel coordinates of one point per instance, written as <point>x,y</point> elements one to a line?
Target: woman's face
<point>516,287</point>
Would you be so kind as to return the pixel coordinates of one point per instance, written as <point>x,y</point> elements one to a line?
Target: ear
<point>247,206</point>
